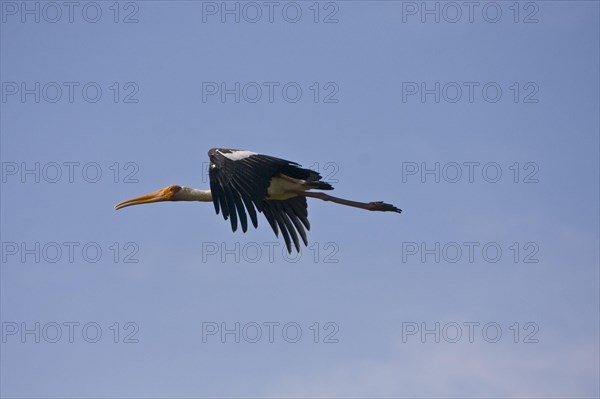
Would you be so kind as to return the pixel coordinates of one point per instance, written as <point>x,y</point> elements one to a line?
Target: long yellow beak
<point>156,196</point>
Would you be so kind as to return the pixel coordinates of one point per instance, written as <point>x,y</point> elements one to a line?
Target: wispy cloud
<point>457,370</point>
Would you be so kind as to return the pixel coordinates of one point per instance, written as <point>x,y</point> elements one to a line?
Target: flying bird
<point>244,182</point>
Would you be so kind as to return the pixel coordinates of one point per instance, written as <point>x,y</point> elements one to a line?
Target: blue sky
<point>99,303</point>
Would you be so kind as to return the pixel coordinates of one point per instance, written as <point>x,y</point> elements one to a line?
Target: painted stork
<point>244,181</point>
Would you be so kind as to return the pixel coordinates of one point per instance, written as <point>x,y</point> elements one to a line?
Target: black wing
<point>239,181</point>
<point>288,216</point>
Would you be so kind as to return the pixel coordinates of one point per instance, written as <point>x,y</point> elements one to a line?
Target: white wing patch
<point>237,155</point>
<point>279,188</point>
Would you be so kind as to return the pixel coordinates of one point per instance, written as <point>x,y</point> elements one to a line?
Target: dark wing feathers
<point>255,170</point>
<point>239,181</point>
<point>284,216</point>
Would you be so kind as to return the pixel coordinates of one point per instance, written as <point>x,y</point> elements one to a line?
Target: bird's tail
<point>319,185</point>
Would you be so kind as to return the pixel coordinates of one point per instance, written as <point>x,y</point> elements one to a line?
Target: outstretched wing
<point>288,216</point>
<point>239,181</point>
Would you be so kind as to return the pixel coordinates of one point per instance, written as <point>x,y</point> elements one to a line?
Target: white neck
<point>192,194</point>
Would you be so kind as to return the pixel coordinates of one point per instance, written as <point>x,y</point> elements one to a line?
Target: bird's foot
<point>383,207</point>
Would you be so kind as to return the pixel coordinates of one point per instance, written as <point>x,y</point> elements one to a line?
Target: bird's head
<point>164,194</point>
